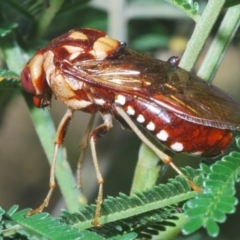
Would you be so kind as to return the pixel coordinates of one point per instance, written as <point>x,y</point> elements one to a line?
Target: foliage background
<point>24,169</point>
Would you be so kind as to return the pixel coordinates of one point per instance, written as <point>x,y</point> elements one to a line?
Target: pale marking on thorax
<point>78,36</point>
<point>102,46</point>
<point>48,65</point>
<point>35,68</point>
<point>73,51</point>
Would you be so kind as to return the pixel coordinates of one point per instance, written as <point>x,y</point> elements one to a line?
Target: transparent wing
<point>162,83</point>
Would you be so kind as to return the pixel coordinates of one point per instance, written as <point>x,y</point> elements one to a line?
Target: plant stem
<point>147,170</point>
<point>44,127</point>
<point>12,53</point>
<point>47,16</point>
<point>220,44</point>
<point>173,232</point>
<point>46,132</point>
<point>201,33</point>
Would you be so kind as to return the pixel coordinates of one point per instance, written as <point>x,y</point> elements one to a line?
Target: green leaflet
<point>144,214</point>
<point>7,28</point>
<point>188,6</point>
<point>9,80</point>
<point>153,208</point>
<point>43,226</point>
<point>217,199</point>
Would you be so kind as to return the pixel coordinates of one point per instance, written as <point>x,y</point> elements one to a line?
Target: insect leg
<point>164,157</point>
<point>94,135</point>
<point>83,145</point>
<point>61,131</point>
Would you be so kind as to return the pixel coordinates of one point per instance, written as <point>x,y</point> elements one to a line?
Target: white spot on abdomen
<point>120,99</point>
<point>177,146</point>
<point>162,135</point>
<point>130,110</point>
<point>151,126</point>
<point>140,118</point>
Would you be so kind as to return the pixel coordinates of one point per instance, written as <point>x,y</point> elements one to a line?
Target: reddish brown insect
<point>86,70</point>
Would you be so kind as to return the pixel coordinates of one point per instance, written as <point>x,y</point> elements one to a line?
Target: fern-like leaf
<point>9,80</point>
<point>217,199</point>
<point>29,9</point>
<point>188,6</point>
<point>40,226</point>
<point>144,212</point>
<point>7,28</point>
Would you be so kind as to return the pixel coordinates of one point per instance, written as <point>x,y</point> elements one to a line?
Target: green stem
<point>12,53</point>
<point>20,8</point>
<point>220,44</point>
<point>191,54</point>
<point>44,127</point>
<point>172,232</point>
<point>201,33</point>
<point>47,16</point>
<point>147,170</point>
<point>46,132</point>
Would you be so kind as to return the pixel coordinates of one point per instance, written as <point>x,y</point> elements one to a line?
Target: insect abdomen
<point>175,133</point>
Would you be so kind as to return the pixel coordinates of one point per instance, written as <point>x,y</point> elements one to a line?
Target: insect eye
<point>26,81</point>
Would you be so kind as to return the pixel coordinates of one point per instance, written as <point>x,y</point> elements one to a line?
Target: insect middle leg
<point>94,135</point>
<point>61,131</point>
<point>83,146</point>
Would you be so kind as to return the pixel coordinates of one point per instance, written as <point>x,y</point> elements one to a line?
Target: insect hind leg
<point>164,157</point>
<point>94,135</point>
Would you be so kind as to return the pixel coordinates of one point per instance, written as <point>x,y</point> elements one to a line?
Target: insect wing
<point>205,103</point>
<point>162,83</point>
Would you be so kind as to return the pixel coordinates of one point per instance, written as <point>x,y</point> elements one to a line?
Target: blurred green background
<point>153,27</point>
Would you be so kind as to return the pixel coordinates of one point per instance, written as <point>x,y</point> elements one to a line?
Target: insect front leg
<point>94,135</point>
<point>61,131</point>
